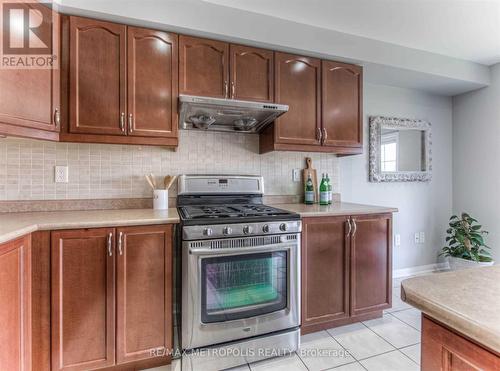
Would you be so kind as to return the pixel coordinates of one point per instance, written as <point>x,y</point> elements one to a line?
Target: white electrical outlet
<point>61,174</point>
<point>296,175</point>
<point>422,237</point>
<point>397,239</point>
<point>417,237</point>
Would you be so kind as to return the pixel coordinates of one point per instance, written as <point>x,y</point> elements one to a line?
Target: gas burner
<point>197,212</point>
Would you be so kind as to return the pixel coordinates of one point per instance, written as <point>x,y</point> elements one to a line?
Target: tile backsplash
<point>98,171</point>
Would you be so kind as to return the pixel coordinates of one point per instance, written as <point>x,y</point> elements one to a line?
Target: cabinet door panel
<point>371,263</point>
<point>298,84</point>
<point>30,97</point>
<point>83,319</point>
<point>144,291</point>
<point>152,82</point>
<point>447,350</point>
<point>203,67</point>
<point>252,75</point>
<point>15,308</point>
<point>342,104</point>
<point>325,270</point>
<point>97,76</point>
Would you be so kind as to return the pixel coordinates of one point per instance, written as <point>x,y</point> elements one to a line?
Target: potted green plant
<point>466,247</point>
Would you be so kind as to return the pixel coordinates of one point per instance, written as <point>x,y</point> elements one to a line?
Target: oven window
<point>240,286</point>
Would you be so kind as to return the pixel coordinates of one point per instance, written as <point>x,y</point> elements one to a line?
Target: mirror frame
<point>376,125</point>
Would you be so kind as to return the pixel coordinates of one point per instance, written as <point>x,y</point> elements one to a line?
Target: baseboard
<point>420,269</point>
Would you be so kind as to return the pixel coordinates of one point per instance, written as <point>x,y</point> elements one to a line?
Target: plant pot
<point>459,263</point>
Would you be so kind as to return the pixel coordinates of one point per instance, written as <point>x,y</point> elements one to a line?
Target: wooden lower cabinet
<point>144,292</point>
<point>346,269</point>
<point>371,263</point>
<point>325,264</point>
<point>15,304</point>
<point>95,325</point>
<point>83,299</point>
<point>445,350</point>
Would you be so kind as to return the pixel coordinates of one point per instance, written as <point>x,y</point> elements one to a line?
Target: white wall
<point>476,157</point>
<point>422,206</point>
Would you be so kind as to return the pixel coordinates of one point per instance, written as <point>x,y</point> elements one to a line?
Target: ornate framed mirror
<point>400,150</point>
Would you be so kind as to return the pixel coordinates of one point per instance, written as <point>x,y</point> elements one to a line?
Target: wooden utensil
<point>305,174</point>
<point>166,181</point>
<point>152,177</point>
<point>171,181</point>
<point>151,183</point>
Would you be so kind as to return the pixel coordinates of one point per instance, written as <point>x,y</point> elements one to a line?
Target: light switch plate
<point>422,237</point>
<point>417,237</point>
<point>397,239</point>
<point>61,174</point>
<point>296,175</point>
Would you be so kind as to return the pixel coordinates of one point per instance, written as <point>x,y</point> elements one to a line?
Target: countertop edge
<point>336,209</point>
<point>463,325</point>
<point>31,228</point>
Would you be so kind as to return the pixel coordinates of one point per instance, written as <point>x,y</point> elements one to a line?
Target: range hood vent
<point>204,113</point>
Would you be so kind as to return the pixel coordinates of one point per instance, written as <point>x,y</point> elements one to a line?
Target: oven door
<point>239,292</point>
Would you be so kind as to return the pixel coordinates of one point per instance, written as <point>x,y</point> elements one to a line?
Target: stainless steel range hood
<point>226,114</point>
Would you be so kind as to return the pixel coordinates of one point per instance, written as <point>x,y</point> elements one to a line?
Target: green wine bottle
<point>309,191</point>
<point>323,191</point>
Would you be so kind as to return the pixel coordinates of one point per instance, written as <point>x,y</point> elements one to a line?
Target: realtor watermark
<point>26,40</point>
<point>223,352</point>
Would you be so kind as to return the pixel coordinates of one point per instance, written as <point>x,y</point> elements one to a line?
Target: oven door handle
<point>242,250</point>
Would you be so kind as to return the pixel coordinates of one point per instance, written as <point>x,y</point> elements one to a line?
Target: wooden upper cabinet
<point>97,91</point>
<point>325,271</point>
<point>342,86</point>
<point>298,84</point>
<point>83,292</point>
<point>29,98</point>
<point>371,263</point>
<point>144,291</point>
<point>203,67</point>
<point>252,76</point>
<point>15,289</point>
<point>152,83</point>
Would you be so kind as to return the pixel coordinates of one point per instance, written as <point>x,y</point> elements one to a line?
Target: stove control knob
<point>248,229</point>
<point>265,228</point>
<point>207,232</point>
<point>283,227</point>
<point>227,231</point>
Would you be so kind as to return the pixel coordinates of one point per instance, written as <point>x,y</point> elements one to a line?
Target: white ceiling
<point>464,29</point>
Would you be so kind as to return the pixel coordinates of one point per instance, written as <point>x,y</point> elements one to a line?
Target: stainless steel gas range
<point>240,273</point>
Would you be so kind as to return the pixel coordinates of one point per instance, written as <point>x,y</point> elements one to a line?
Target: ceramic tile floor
<point>383,344</point>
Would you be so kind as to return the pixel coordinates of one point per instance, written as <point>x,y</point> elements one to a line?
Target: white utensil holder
<point>160,199</point>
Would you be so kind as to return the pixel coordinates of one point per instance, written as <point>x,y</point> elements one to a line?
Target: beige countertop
<point>337,208</point>
<point>13,225</point>
<point>467,301</point>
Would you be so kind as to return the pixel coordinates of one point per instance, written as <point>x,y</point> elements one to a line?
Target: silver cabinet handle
<point>325,135</point>
<point>110,241</point>
<point>355,227</point>
<point>120,248</point>
<point>130,123</point>
<point>226,88</point>
<point>350,226</point>
<point>122,121</point>
<point>319,135</point>
<point>57,117</point>
<point>232,89</point>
